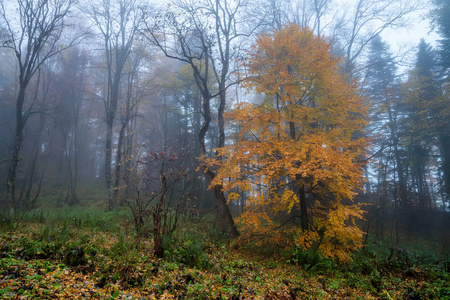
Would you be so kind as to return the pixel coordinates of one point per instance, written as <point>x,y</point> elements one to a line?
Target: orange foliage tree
<point>298,153</point>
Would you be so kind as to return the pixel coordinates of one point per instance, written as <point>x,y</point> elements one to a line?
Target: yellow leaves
<point>233,196</point>
<point>342,235</point>
<point>288,200</point>
<point>258,227</point>
<point>300,137</point>
<point>306,239</point>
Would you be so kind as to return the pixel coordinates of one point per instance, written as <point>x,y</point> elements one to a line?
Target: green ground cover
<point>89,254</point>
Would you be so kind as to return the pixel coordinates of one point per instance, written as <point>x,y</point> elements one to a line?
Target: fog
<point>112,103</point>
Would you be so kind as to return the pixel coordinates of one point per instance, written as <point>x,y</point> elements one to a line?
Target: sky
<point>408,38</point>
<point>404,41</point>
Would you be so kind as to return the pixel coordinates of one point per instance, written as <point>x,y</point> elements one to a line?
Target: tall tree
<point>134,90</point>
<point>422,95</point>
<point>442,20</point>
<point>381,90</point>
<point>350,25</point>
<point>298,150</point>
<point>207,36</point>
<point>117,23</point>
<point>364,21</point>
<point>71,84</point>
<point>33,33</point>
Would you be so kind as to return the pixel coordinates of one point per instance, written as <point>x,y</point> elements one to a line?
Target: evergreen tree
<point>382,90</point>
<point>380,76</point>
<point>442,20</point>
<point>422,92</point>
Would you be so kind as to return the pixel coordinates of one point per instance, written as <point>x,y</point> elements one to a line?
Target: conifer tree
<point>442,20</point>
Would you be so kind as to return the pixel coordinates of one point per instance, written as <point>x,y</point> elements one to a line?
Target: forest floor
<point>92,259</point>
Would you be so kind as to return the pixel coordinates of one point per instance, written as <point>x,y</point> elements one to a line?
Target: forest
<point>224,149</point>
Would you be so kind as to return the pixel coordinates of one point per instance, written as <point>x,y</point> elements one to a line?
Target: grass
<point>85,252</point>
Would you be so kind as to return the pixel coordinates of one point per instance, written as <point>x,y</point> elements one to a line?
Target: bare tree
<point>351,26</point>
<point>360,24</point>
<point>135,89</point>
<point>71,85</point>
<point>33,33</point>
<point>207,36</point>
<point>315,14</point>
<point>117,23</point>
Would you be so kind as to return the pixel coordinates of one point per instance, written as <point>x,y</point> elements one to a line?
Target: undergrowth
<point>50,249</point>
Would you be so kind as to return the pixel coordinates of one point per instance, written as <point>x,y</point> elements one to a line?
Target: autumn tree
<point>298,154</point>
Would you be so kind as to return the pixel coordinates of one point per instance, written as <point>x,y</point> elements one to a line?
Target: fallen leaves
<point>137,274</point>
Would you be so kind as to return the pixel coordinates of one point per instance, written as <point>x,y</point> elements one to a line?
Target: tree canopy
<point>299,149</point>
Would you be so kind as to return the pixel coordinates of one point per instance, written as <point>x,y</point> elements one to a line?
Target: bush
<point>310,260</point>
<point>189,252</point>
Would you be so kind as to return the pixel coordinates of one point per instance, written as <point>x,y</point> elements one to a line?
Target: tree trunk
<point>110,116</point>
<point>445,152</point>
<point>118,162</point>
<point>303,209</point>
<point>108,175</point>
<point>72,162</point>
<point>157,214</point>
<point>128,152</point>
<point>224,213</point>
<point>299,188</point>
<point>398,160</point>
<point>15,157</point>
<point>74,183</point>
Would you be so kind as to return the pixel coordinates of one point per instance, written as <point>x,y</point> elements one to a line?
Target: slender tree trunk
<point>26,200</point>
<point>224,212</point>
<point>157,214</point>
<point>445,152</point>
<point>220,119</point>
<point>73,177</point>
<point>72,166</point>
<point>299,189</point>
<point>70,172</point>
<point>118,162</point>
<point>74,146</point>
<point>74,183</point>
<point>128,152</point>
<point>398,160</point>
<point>303,209</point>
<point>15,157</point>
<point>110,116</point>
<point>108,175</point>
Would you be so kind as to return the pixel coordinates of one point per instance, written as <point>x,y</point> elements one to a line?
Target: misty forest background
<point>107,106</point>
